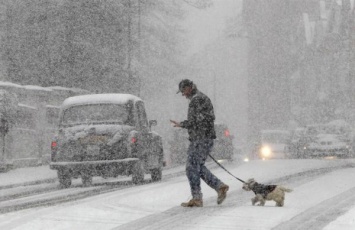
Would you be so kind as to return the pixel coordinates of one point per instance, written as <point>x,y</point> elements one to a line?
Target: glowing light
<point>265,151</point>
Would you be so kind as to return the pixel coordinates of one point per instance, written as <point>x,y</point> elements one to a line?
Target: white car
<point>328,140</point>
<point>272,144</point>
<point>328,145</point>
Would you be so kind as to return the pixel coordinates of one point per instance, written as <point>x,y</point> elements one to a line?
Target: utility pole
<point>215,91</point>
<point>9,18</point>
<point>69,37</point>
<point>129,51</point>
<point>347,31</point>
<point>47,48</point>
<point>139,46</point>
<point>352,57</point>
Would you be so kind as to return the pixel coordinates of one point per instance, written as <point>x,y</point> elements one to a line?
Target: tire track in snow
<point>180,218</point>
<point>317,217</point>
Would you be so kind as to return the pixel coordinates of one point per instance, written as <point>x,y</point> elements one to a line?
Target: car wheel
<point>64,179</point>
<point>138,173</point>
<point>156,174</point>
<point>230,157</point>
<point>86,179</point>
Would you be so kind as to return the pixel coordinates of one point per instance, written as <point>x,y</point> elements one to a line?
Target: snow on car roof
<point>115,98</point>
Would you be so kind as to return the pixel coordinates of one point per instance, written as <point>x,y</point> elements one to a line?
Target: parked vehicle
<point>222,149</point>
<point>105,135</point>
<point>296,146</point>
<point>328,140</point>
<point>31,113</point>
<point>8,107</point>
<point>223,144</point>
<point>272,144</point>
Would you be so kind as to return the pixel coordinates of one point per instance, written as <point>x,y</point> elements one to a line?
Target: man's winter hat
<point>184,83</point>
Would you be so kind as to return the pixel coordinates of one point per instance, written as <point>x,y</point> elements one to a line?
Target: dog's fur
<point>266,192</point>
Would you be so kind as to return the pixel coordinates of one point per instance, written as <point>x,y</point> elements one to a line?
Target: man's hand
<point>176,124</point>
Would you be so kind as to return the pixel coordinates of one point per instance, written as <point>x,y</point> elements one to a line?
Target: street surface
<point>323,198</point>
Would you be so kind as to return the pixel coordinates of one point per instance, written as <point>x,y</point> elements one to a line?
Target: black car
<point>222,149</point>
<point>105,135</point>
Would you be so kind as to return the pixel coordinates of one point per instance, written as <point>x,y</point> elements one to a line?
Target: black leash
<point>225,169</point>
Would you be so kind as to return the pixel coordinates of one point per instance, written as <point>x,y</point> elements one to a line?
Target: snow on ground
<point>345,222</point>
<point>110,210</point>
<point>26,175</point>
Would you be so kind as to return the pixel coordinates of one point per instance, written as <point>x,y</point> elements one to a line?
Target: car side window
<point>130,119</point>
<point>142,116</point>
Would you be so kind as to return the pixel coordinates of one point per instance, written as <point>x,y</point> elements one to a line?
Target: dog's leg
<point>262,202</point>
<point>254,200</point>
<point>261,199</point>
<point>280,201</point>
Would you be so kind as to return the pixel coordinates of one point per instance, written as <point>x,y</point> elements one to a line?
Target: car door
<point>147,140</point>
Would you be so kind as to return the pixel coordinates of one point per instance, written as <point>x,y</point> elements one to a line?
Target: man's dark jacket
<point>200,117</point>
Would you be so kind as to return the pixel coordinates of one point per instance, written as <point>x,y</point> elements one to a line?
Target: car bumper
<point>273,155</point>
<point>92,165</point>
<point>328,152</point>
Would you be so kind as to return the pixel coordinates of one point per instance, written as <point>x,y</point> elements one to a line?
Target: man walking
<point>200,127</point>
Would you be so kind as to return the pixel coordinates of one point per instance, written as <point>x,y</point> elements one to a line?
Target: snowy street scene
<point>177,114</point>
<point>322,198</point>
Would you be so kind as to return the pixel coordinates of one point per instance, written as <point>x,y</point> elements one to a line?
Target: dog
<point>266,192</point>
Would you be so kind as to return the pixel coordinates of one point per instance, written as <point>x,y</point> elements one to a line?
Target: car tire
<point>86,180</point>
<point>230,157</point>
<point>138,173</point>
<point>156,174</point>
<point>64,179</point>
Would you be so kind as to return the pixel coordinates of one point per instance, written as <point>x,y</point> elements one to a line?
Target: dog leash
<point>225,169</point>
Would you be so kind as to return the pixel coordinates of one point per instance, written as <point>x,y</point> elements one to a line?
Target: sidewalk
<point>39,174</point>
<point>26,176</point>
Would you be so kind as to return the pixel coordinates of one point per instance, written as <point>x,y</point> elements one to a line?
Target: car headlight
<point>265,151</point>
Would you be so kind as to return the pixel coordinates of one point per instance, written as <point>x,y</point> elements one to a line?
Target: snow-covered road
<point>322,199</point>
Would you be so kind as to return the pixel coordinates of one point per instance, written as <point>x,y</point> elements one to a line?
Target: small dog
<point>266,192</point>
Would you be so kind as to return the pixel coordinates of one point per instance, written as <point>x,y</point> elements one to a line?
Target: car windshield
<point>326,129</point>
<point>95,113</point>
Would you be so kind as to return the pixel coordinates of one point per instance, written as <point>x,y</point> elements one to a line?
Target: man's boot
<point>193,203</point>
<point>222,193</point>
